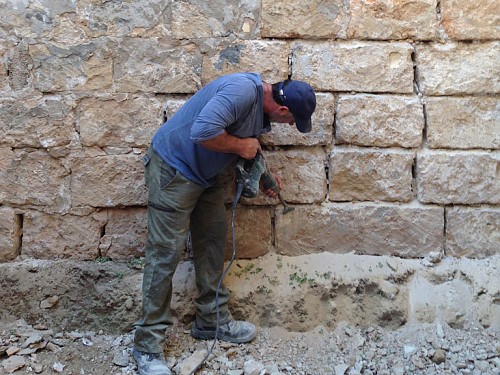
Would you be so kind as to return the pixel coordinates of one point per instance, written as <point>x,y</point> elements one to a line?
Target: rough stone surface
<point>108,181</point>
<point>393,19</point>
<point>321,133</point>
<point>119,121</point>
<point>458,178</point>
<point>10,234</point>
<point>33,178</point>
<point>77,67</point>
<point>461,123</point>
<point>355,66</point>
<point>253,232</point>
<point>464,19</point>
<point>363,228</point>
<point>379,121</point>
<point>194,19</point>
<point>148,65</point>
<point>46,122</point>
<point>472,232</point>
<point>458,68</point>
<point>240,56</point>
<point>297,19</point>
<point>359,175</point>
<point>125,234</point>
<point>53,236</point>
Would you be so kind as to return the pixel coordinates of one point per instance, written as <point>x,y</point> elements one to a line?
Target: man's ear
<point>282,109</point>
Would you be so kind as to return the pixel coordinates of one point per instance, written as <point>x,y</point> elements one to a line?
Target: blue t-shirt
<point>234,103</point>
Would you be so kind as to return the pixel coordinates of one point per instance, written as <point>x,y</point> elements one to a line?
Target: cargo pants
<point>175,206</point>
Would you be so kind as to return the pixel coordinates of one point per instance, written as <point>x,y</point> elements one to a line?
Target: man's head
<point>299,98</point>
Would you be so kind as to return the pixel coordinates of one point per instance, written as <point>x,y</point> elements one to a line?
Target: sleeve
<point>230,103</point>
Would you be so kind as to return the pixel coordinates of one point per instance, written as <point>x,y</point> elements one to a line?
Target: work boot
<point>236,331</point>
<point>151,363</point>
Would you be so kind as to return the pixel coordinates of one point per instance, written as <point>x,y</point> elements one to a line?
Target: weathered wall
<point>403,158</point>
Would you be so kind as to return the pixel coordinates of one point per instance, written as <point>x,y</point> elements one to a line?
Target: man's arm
<point>247,148</point>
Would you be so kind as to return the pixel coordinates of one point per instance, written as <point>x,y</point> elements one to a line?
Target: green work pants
<point>175,206</point>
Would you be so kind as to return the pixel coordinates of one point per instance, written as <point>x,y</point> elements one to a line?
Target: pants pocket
<point>167,175</point>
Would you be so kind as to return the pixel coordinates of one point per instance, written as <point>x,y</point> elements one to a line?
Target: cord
<point>236,199</point>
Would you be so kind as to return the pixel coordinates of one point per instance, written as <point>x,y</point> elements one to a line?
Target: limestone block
<point>302,172</point>
<point>359,175</point>
<point>380,120</point>
<point>125,234</point>
<point>33,178</point>
<point>149,65</point>
<point>472,232</point>
<point>354,66</point>
<point>458,178</point>
<point>253,232</point>
<point>10,234</point>
<point>458,68</point>
<point>108,181</point>
<point>54,236</point>
<point>119,120</point>
<point>364,228</point>
<point>466,19</point>
<point>322,127</point>
<point>304,19</point>
<point>4,77</point>
<point>47,121</point>
<point>19,66</point>
<point>194,19</point>
<point>123,18</point>
<point>82,67</point>
<point>393,19</point>
<point>469,122</point>
<point>270,58</point>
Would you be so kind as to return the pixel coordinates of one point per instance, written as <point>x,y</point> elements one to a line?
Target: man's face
<point>282,115</point>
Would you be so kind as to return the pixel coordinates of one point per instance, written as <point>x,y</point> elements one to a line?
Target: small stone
<point>12,350</point>
<point>13,363</point>
<point>120,359</point>
<point>58,367</point>
<point>253,367</point>
<point>129,304</point>
<point>341,369</point>
<point>409,350</point>
<point>439,356</point>
<point>49,302</point>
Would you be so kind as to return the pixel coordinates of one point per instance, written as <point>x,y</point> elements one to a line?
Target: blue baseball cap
<point>300,99</point>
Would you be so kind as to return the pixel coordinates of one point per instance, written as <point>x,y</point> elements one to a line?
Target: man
<point>217,125</point>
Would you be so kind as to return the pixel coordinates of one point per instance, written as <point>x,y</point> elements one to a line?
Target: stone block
<point>10,234</point>
<point>466,122</point>
<point>253,232</point>
<point>322,127</point>
<point>302,172</point>
<point>4,76</point>
<point>359,175</point>
<point>148,65</point>
<point>119,120</point>
<point>458,178</point>
<point>363,228</point>
<point>108,181</point>
<point>270,58</point>
<point>81,67</point>
<point>354,66</point>
<point>472,232</point>
<point>123,18</point>
<point>299,19</point>
<point>470,19</point>
<point>393,19</point>
<point>458,68</point>
<point>46,122</point>
<point>193,19</point>
<point>54,236</point>
<point>33,178</point>
<point>125,234</point>
<point>171,106</point>
<point>379,120</point>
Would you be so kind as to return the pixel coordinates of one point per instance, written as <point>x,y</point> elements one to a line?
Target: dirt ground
<point>76,318</point>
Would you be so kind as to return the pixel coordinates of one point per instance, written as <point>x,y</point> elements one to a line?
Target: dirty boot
<point>151,363</point>
<point>236,331</point>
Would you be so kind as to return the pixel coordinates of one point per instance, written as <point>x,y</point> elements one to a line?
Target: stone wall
<point>403,158</point>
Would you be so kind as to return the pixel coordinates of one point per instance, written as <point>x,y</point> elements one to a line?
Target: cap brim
<point>303,125</point>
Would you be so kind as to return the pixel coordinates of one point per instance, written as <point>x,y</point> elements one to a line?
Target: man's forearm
<point>244,147</point>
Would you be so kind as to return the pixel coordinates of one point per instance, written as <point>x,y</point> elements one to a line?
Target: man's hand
<point>247,148</point>
<point>270,192</point>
